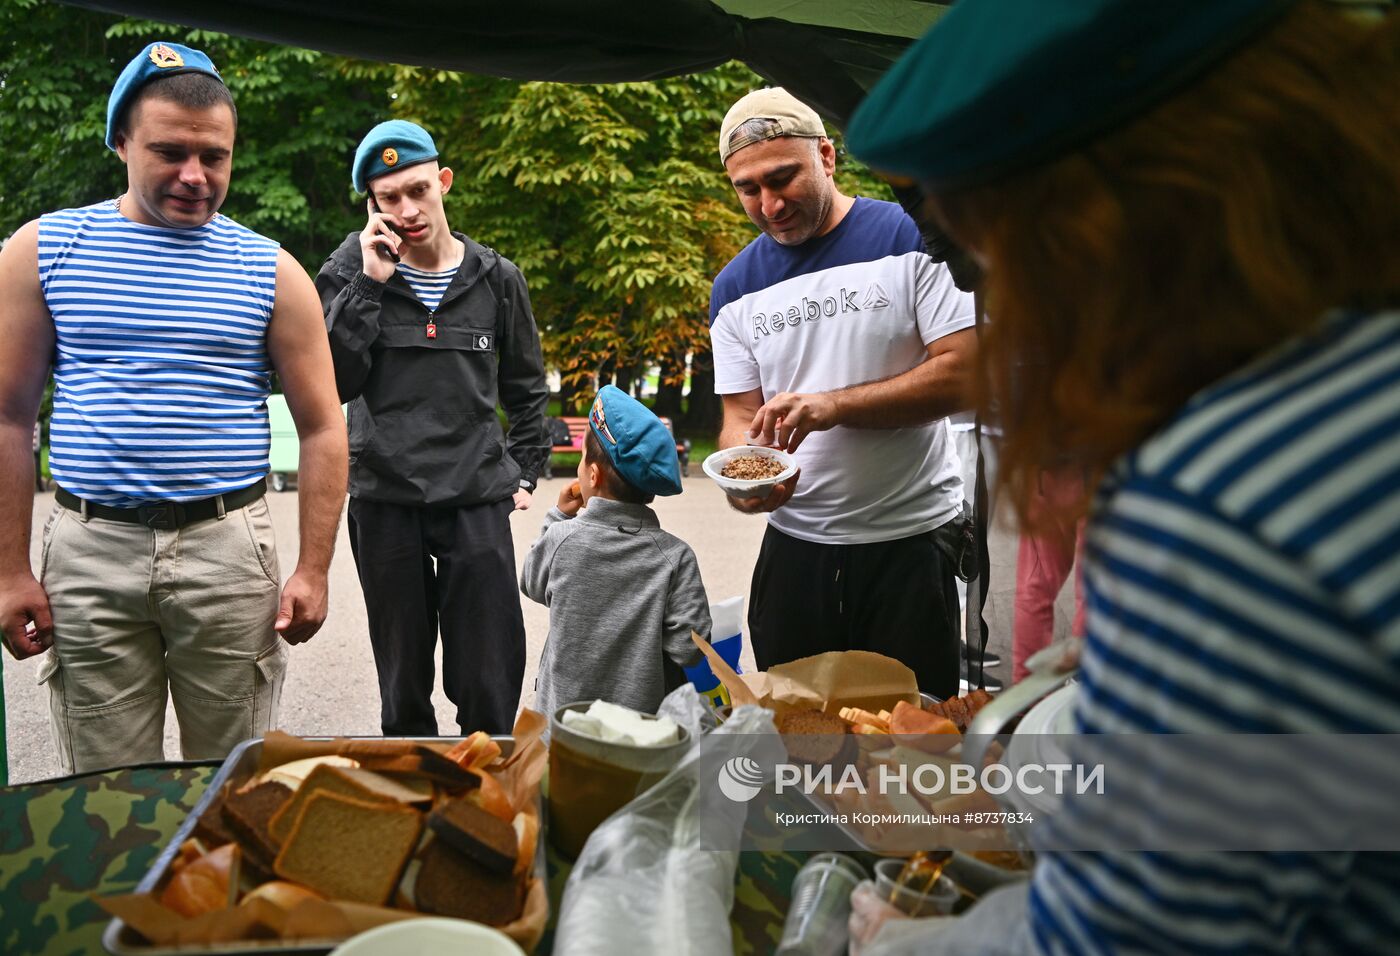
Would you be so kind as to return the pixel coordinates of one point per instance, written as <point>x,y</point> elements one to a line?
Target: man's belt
<point>168,515</point>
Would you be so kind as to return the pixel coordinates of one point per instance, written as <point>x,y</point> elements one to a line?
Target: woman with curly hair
<point>1188,217</point>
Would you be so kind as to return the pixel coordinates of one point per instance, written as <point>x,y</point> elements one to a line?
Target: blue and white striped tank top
<point>161,369</point>
<point>428,286</point>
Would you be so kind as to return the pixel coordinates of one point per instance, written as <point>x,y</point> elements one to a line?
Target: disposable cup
<point>817,919</point>
<point>938,901</point>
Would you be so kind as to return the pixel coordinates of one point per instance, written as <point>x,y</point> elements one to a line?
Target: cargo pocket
<point>271,672</point>
<point>51,673</point>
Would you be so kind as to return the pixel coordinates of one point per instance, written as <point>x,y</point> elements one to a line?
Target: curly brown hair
<point>1126,276</point>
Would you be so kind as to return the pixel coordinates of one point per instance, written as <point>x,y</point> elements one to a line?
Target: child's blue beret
<point>389,147</point>
<point>155,61</point>
<point>641,448</point>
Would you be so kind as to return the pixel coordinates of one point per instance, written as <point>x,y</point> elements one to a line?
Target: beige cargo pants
<point>137,610</point>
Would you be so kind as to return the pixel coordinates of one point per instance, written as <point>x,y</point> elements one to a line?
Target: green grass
<point>702,448</point>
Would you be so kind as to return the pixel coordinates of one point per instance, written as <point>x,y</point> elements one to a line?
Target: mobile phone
<point>384,250</point>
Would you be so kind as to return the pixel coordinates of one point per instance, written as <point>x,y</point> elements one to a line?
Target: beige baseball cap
<point>790,116</point>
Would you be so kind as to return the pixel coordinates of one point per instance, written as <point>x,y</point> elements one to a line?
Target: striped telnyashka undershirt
<point>1243,575</point>
<point>161,369</point>
<point>428,286</point>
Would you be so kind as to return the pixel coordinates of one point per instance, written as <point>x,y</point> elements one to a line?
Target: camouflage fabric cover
<point>61,840</point>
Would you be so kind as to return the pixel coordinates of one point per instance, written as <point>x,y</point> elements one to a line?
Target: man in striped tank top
<point>1189,219</point>
<point>163,322</point>
<point>429,331</point>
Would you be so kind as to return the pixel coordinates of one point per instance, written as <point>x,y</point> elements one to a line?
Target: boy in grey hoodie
<point>623,595</point>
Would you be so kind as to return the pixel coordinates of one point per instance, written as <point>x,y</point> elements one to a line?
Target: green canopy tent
<point>828,52</point>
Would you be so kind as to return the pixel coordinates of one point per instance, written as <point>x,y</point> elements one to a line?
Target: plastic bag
<point>727,638</point>
<point>688,708</point>
<point>649,879</point>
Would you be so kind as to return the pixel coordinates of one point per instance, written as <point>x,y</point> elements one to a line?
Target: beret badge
<point>166,58</point>
<point>391,156</point>
<point>600,420</point>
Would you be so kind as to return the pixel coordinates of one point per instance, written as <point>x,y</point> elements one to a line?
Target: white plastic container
<point>749,489</point>
<point>429,935</point>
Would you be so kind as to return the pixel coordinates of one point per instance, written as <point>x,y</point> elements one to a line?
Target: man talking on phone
<point>429,331</point>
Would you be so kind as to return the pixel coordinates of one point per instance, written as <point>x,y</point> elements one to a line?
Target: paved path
<point>331,685</point>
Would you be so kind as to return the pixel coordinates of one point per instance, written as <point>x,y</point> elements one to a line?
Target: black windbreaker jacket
<point>423,423</point>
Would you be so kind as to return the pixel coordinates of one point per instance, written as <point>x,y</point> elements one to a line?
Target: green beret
<point>641,448</point>
<point>1000,85</point>
<point>388,148</point>
<point>155,61</point>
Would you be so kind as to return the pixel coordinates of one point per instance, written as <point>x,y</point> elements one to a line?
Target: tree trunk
<point>703,408</point>
<point>570,394</point>
<point>624,380</point>
<point>668,397</point>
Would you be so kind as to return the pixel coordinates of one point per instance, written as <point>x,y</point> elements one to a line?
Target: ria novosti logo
<point>740,779</point>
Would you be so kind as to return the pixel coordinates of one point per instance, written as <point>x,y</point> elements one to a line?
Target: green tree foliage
<point>610,198</point>
<point>300,116</point>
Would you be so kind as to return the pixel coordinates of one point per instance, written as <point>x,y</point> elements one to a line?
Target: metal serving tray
<point>238,767</point>
<point>966,870</point>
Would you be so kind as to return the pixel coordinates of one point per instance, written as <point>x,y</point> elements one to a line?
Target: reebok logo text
<point>810,310</point>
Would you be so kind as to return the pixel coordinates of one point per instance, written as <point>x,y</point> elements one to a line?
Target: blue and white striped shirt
<point>1243,575</point>
<point>428,286</point>
<point>161,372</point>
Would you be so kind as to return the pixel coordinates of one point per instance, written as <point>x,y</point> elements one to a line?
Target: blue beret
<point>388,148</point>
<point>641,448</point>
<point>155,61</point>
<point>999,85</point>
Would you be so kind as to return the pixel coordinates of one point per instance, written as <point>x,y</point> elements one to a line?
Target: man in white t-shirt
<point>836,337</point>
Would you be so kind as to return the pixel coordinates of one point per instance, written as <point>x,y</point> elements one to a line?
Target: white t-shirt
<point>858,304</point>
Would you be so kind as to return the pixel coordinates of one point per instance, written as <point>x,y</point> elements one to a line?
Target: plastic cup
<point>817,919</point>
<point>938,901</point>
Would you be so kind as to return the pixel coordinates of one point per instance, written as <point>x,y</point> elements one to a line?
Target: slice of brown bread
<point>349,782</point>
<point>247,814</point>
<point>485,838</point>
<point>350,849</point>
<point>452,884</point>
<point>812,736</point>
<point>211,829</point>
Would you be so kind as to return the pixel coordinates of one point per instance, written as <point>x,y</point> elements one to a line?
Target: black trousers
<point>454,568</point>
<point>896,598</point>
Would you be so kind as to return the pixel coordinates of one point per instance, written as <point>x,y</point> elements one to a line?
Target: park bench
<point>578,427</point>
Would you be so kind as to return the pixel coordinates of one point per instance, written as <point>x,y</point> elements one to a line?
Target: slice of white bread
<point>348,782</point>
<point>350,849</point>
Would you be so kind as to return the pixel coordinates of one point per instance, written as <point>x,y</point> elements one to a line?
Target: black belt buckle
<point>163,517</point>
